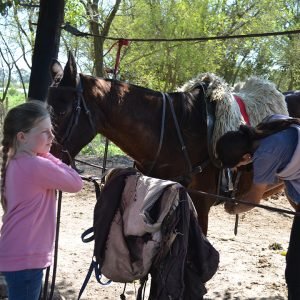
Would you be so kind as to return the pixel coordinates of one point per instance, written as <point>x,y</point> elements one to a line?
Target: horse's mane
<point>116,81</point>
<point>187,105</point>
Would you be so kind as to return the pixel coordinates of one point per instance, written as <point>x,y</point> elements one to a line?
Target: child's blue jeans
<point>24,285</point>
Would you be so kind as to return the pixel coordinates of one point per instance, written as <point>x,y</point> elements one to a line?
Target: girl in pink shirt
<point>29,177</point>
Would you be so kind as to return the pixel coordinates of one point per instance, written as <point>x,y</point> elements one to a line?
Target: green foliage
<point>97,147</point>
<point>166,65</point>
<point>12,91</point>
<point>74,13</point>
<point>15,98</point>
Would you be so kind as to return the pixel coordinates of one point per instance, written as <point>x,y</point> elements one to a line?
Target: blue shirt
<point>272,155</point>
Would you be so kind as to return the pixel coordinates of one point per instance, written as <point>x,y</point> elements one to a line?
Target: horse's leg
<point>202,206</point>
<point>206,181</point>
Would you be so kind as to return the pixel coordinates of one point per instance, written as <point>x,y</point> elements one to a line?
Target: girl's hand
<point>235,208</point>
<point>49,156</point>
<point>254,195</point>
<point>42,154</point>
<point>230,207</point>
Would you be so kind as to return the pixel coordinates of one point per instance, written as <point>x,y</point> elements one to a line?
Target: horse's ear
<point>55,69</point>
<point>70,72</point>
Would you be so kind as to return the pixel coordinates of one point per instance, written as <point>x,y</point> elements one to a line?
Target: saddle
<point>143,226</point>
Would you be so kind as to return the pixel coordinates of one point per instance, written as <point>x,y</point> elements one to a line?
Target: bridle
<point>78,105</point>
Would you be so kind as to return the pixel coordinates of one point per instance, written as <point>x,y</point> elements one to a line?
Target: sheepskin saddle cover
<point>260,96</point>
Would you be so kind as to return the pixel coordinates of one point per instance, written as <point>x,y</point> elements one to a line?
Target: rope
<point>121,43</point>
<point>69,28</point>
<point>88,164</point>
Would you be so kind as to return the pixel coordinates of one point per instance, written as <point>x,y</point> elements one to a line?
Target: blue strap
<point>87,232</point>
<point>86,280</point>
<point>93,266</point>
<point>98,275</point>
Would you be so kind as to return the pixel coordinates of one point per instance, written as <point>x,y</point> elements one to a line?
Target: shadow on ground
<point>228,296</point>
<point>63,291</point>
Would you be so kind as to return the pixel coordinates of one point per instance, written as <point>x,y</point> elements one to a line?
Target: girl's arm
<point>51,173</point>
<point>254,195</point>
<point>50,157</point>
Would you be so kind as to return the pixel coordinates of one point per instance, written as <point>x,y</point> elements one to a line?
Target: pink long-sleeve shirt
<point>28,229</point>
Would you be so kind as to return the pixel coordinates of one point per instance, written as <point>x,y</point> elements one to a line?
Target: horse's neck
<point>129,116</point>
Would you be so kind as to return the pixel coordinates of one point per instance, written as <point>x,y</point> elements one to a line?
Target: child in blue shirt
<point>274,151</point>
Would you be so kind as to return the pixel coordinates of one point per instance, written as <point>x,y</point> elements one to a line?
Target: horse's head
<point>68,110</point>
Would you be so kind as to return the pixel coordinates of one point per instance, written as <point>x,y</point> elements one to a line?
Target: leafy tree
<point>96,18</point>
<point>166,65</point>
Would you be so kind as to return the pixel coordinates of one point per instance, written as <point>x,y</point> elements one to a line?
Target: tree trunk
<point>93,12</point>
<point>46,46</point>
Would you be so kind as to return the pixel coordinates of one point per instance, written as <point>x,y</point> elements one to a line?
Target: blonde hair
<point>20,118</point>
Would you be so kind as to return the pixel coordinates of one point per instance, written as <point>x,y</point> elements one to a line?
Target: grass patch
<point>14,98</point>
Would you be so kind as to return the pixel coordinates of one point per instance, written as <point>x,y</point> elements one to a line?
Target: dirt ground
<point>250,266</point>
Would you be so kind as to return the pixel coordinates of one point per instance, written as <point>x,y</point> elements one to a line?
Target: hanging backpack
<point>144,225</point>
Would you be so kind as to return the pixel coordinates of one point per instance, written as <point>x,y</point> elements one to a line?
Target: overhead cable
<point>76,32</point>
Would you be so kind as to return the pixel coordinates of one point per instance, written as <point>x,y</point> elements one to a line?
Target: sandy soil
<point>249,268</point>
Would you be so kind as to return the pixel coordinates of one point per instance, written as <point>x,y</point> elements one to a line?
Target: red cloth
<point>242,109</point>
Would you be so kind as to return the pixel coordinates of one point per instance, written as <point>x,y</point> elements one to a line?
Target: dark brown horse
<point>140,121</point>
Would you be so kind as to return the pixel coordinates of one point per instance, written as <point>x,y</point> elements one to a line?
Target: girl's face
<point>37,140</point>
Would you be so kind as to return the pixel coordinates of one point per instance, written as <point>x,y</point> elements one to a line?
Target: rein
<point>45,289</point>
<point>162,132</point>
<point>179,135</point>
<point>191,170</point>
<point>233,200</point>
